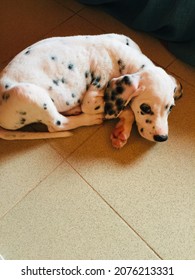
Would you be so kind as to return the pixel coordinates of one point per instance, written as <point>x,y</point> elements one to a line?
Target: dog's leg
<point>93,102</point>
<point>27,103</point>
<point>123,128</point>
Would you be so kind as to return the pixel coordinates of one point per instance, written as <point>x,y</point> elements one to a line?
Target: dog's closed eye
<point>171,107</point>
<point>145,109</point>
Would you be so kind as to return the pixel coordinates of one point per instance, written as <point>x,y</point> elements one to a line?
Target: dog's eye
<point>145,108</point>
<point>171,107</point>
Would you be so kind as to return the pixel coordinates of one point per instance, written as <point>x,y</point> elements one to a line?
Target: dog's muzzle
<point>160,138</point>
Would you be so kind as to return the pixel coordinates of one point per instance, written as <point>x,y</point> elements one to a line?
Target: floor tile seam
<point>80,145</point>
<point>180,78</point>
<point>43,35</point>
<point>116,213</point>
<point>88,138</point>
<point>58,25</point>
<point>86,19</point>
<point>56,1</point>
<point>30,191</point>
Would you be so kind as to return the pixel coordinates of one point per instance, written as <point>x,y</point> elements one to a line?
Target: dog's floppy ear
<point>119,93</point>
<point>178,90</point>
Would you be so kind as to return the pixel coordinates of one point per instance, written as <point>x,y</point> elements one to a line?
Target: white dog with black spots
<point>68,82</point>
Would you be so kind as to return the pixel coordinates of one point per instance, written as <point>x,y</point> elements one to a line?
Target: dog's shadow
<point>11,148</point>
<point>99,147</point>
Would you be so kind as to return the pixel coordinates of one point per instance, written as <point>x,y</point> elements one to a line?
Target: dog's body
<point>64,82</point>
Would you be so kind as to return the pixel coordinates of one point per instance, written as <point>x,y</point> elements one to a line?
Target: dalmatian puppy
<point>68,82</point>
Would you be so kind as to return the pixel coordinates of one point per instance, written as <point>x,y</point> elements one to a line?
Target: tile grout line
<point>31,190</point>
<point>107,203</point>
<point>89,137</point>
<point>56,1</point>
<point>80,145</point>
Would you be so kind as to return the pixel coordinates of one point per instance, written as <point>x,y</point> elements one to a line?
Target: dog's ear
<point>178,90</point>
<point>120,92</point>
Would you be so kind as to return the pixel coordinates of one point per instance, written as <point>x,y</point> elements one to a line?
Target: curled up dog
<point>68,82</point>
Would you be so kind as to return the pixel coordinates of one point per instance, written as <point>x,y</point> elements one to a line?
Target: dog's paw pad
<point>118,138</point>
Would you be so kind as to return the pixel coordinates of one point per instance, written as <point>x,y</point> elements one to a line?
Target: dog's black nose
<point>160,138</point>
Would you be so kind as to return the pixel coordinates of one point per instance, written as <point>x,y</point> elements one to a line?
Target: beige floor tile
<point>23,164</point>
<point>71,4</point>
<point>63,218</point>
<point>149,45</point>
<point>150,185</point>
<point>68,145</point>
<point>25,22</point>
<point>184,71</point>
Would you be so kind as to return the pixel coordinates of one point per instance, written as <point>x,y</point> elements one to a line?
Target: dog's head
<point>152,93</point>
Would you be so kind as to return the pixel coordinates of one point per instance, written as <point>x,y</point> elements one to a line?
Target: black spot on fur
<point>119,89</point>
<point>6,86</point>
<point>121,65</point>
<point>56,82</point>
<point>27,52</point>
<point>106,96</point>
<point>22,113</point>
<point>58,123</point>
<point>22,121</point>
<point>52,100</point>
<point>53,58</point>
<point>5,96</point>
<point>63,80</point>
<point>142,130</point>
<point>96,108</point>
<point>79,101</point>
<point>113,95</point>
<point>148,121</point>
<point>67,103</point>
<point>126,80</point>
<point>92,77</point>
<point>143,65</point>
<point>111,112</point>
<point>98,79</point>
<point>95,81</point>
<point>50,88</point>
<point>86,74</point>
<point>120,104</point>
<point>127,42</point>
<point>108,109</point>
<point>45,106</point>
<point>70,66</point>
<point>73,95</point>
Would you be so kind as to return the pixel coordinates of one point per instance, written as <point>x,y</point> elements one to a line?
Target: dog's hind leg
<point>26,103</point>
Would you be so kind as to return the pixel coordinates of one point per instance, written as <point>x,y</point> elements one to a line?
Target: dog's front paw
<point>119,137</point>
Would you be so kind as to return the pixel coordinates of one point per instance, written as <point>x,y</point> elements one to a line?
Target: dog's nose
<point>160,138</point>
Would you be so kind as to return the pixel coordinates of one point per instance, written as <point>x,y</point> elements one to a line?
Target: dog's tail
<point>24,135</point>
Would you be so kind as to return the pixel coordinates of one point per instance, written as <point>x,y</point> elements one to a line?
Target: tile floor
<point>78,198</point>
